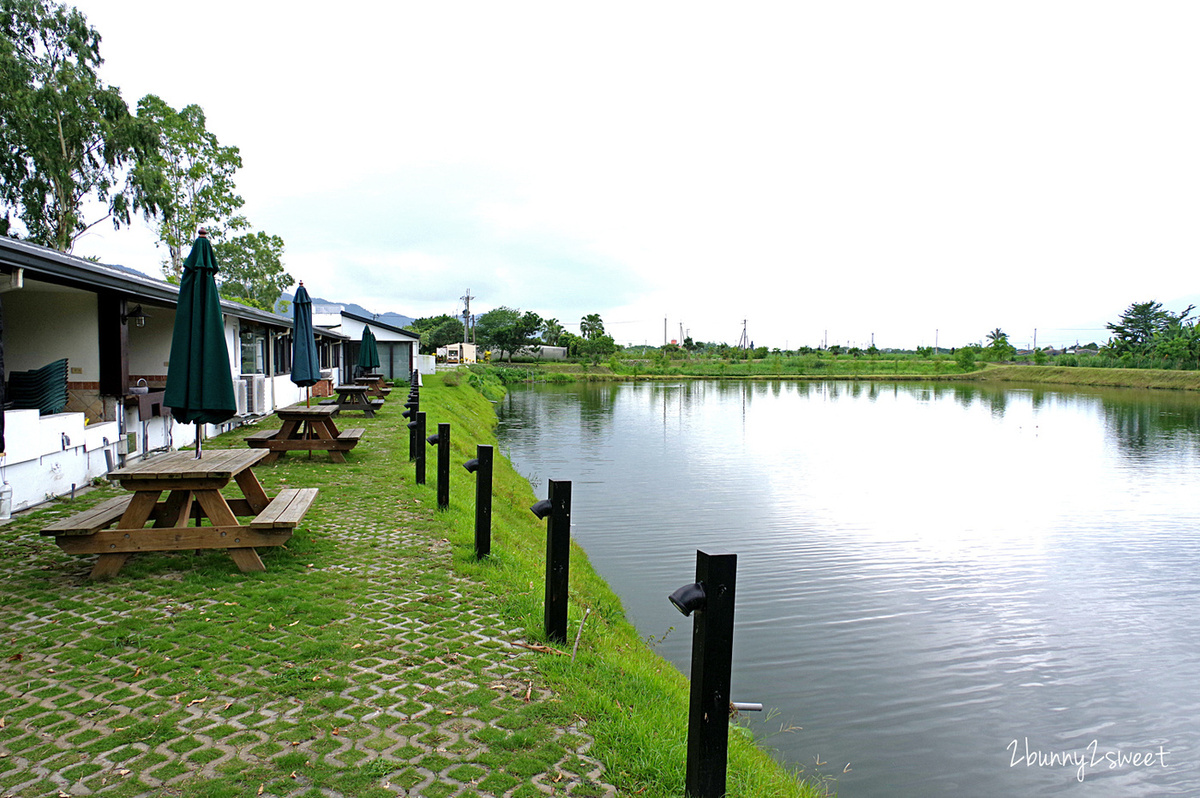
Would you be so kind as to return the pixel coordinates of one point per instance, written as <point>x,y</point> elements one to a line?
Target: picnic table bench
<point>353,398</point>
<point>306,429</point>
<point>194,492</point>
<point>375,385</point>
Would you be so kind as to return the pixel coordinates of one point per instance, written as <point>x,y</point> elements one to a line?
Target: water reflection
<point>926,572</point>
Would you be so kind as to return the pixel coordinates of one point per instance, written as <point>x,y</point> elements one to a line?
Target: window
<point>254,351</point>
<point>283,354</point>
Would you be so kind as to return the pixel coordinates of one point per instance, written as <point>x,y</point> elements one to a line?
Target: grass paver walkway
<point>359,664</point>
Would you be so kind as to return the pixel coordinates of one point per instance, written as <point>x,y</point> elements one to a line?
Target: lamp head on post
<point>472,465</point>
<point>542,508</point>
<point>689,598</point>
<point>432,440</point>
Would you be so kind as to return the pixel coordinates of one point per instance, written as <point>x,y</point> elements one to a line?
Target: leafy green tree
<point>572,342</point>
<point>591,326</point>
<point>437,331</point>
<point>446,333</point>
<point>508,330</point>
<point>597,347</point>
<point>252,269</point>
<point>197,175</point>
<point>65,137</point>
<point>1140,324</point>
<point>965,357</point>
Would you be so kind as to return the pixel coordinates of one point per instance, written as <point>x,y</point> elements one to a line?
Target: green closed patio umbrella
<point>368,352</point>
<point>306,367</point>
<point>199,379</point>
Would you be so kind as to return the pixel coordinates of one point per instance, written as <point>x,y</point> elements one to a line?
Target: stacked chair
<point>44,389</point>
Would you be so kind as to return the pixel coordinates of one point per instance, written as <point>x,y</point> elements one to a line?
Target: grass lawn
<point>374,656</point>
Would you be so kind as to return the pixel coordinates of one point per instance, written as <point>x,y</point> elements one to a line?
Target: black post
<point>420,458</point>
<point>558,560</point>
<point>443,466</point>
<point>481,466</point>
<point>712,665</point>
<point>411,408</point>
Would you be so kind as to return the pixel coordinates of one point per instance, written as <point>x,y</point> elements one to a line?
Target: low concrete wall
<point>45,455</point>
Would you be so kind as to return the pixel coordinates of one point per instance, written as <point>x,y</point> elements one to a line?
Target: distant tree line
<point>507,332</point>
<point>67,138</point>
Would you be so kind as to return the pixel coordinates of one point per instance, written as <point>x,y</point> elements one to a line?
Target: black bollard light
<point>418,430</point>
<point>414,439</point>
<point>442,441</point>
<point>558,556</point>
<point>481,467</point>
<point>711,599</point>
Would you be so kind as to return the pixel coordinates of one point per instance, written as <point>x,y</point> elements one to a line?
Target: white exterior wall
<point>46,326</point>
<point>46,455</point>
<point>150,346</point>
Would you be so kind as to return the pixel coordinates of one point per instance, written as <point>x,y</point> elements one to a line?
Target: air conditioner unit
<point>256,394</point>
<point>239,389</point>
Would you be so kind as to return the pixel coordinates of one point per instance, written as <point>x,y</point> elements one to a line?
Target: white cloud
<point>868,167</point>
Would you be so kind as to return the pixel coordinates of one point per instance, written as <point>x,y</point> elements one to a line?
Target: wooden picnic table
<point>375,385</point>
<point>354,398</point>
<point>306,429</point>
<point>194,491</point>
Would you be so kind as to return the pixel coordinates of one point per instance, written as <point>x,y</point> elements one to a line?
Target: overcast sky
<point>821,171</point>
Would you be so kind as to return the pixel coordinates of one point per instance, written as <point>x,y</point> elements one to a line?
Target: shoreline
<point>1153,379</point>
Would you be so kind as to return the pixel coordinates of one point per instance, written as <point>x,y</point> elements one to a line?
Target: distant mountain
<point>389,318</point>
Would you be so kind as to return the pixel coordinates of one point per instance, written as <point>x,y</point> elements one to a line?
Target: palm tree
<point>590,326</point>
<point>552,331</point>
<point>997,337</point>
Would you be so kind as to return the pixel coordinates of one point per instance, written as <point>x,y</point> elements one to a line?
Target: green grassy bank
<point>635,703</point>
<point>848,369</point>
<point>1108,378</point>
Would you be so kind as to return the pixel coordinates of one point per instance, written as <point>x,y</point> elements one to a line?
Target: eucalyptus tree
<point>65,137</point>
<point>196,174</point>
<point>252,269</point>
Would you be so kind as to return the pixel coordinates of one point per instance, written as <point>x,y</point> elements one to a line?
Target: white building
<point>114,326</point>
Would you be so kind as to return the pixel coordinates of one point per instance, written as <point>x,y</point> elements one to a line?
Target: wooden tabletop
<point>315,411</point>
<point>352,388</point>
<point>221,463</point>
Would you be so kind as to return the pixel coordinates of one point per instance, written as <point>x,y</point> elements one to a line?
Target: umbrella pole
<point>199,439</point>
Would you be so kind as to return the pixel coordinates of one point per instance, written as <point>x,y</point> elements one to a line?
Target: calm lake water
<point>951,589</point>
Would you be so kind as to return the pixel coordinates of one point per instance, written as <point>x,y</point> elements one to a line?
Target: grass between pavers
<point>373,657</point>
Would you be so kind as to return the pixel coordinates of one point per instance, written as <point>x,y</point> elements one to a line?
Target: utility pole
<point>466,298</point>
<point>664,330</point>
<point>744,341</point>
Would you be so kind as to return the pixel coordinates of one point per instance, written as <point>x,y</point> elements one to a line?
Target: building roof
<point>52,266</point>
